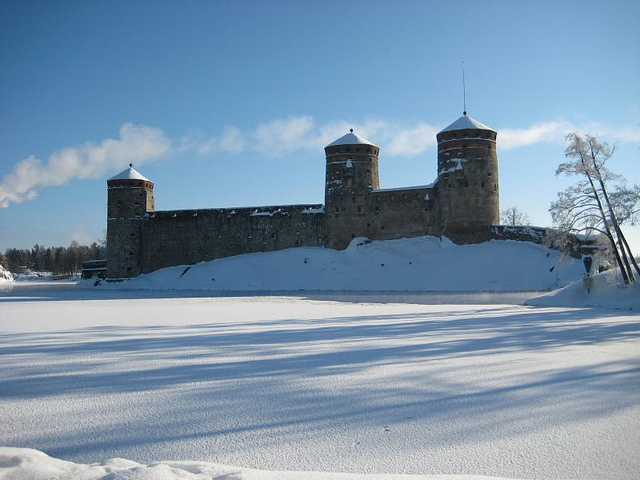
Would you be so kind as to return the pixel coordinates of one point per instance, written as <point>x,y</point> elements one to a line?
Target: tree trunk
<point>623,270</point>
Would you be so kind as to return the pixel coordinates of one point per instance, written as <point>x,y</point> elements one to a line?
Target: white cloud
<point>282,136</point>
<point>140,144</point>
<point>555,131</point>
<point>136,144</point>
<point>537,133</point>
<point>413,141</point>
<point>230,141</point>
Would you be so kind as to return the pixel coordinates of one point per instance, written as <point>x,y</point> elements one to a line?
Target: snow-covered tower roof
<point>129,174</point>
<point>351,139</point>
<point>466,122</point>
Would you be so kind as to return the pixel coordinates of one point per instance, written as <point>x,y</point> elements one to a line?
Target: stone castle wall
<point>190,236</point>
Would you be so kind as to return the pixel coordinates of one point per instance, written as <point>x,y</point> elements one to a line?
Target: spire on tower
<point>464,93</point>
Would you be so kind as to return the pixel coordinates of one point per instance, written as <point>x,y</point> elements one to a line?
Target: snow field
<point>409,264</point>
<point>283,383</point>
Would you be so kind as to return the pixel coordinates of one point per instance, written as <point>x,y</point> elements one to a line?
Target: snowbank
<point>5,275</point>
<point>23,463</point>
<point>411,264</point>
<point>606,291</point>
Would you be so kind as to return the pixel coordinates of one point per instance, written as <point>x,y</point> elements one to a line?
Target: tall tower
<point>129,197</point>
<point>467,177</point>
<point>352,172</point>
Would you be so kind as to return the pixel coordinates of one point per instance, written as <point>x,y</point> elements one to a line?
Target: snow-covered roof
<point>465,122</point>
<point>129,174</point>
<point>351,139</point>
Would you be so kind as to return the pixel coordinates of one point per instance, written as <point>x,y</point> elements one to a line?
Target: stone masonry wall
<point>407,212</point>
<point>190,236</point>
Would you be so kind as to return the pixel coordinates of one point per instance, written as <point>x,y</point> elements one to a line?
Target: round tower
<point>352,172</point>
<point>129,197</point>
<point>467,177</point>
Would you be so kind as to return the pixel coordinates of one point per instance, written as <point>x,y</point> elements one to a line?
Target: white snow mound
<point>25,463</point>
<point>5,275</point>
<point>410,264</point>
<point>606,290</point>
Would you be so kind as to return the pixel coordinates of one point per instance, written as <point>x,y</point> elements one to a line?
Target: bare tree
<point>513,216</point>
<point>600,202</point>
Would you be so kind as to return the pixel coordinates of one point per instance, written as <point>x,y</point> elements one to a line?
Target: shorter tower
<point>467,177</point>
<point>352,172</point>
<point>129,198</point>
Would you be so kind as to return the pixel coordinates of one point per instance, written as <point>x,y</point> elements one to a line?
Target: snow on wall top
<point>351,139</point>
<point>129,174</point>
<point>465,122</point>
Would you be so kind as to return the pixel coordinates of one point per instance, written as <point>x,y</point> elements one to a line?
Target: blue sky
<point>229,103</point>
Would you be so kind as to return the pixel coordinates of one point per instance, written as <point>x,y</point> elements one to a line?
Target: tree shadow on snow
<point>222,376</point>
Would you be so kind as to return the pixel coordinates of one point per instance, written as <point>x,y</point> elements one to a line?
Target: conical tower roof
<point>129,174</point>
<point>351,139</point>
<point>465,122</point>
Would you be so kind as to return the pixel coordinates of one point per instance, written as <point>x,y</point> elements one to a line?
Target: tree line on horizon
<point>58,260</point>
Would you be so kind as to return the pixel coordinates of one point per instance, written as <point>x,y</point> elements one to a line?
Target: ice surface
<point>299,384</point>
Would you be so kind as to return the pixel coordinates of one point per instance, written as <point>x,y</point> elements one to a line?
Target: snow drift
<point>23,463</point>
<point>5,275</point>
<point>606,291</point>
<point>410,264</point>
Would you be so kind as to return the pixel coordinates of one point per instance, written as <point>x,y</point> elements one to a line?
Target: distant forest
<point>59,260</point>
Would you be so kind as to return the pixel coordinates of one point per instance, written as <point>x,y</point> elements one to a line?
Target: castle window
<point>353,235</point>
<point>274,236</point>
<point>482,184</point>
<point>359,208</point>
<point>382,227</point>
<point>488,174</point>
<point>130,253</point>
<point>377,210</point>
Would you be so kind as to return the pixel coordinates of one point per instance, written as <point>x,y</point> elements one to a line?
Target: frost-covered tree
<point>513,216</point>
<point>600,202</point>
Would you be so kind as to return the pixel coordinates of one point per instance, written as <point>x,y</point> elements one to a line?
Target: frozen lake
<point>369,382</point>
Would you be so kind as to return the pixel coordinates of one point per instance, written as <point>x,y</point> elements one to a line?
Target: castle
<point>463,204</point>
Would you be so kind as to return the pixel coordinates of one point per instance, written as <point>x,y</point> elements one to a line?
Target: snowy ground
<point>314,384</point>
<point>409,264</point>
